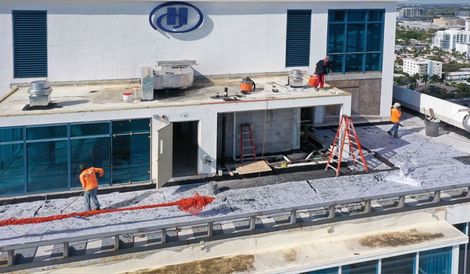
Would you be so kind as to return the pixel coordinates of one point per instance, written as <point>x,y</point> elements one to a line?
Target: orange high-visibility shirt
<point>88,178</point>
<point>395,115</point>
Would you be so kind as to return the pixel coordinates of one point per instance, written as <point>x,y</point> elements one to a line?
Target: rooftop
<point>93,98</point>
<point>435,162</point>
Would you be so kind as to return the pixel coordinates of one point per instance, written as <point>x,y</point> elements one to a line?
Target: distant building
<point>448,22</point>
<point>422,67</point>
<point>411,12</point>
<point>460,75</point>
<point>447,39</point>
<point>463,48</point>
<point>417,25</point>
<point>463,13</point>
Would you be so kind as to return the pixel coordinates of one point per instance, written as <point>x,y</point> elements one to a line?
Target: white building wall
<point>103,39</point>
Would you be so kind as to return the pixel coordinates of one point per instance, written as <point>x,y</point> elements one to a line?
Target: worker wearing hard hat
<point>90,185</point>
<point>395,115</point>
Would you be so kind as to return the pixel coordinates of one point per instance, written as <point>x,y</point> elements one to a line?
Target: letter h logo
<point>177,14</point>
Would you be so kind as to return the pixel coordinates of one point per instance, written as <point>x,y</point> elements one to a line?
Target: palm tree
<point>425,78</point>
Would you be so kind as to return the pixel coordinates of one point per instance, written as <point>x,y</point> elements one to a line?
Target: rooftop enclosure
<point>109,40</point>
<point>91,123</point>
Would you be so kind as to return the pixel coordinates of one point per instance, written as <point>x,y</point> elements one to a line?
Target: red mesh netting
<point>193,205</point>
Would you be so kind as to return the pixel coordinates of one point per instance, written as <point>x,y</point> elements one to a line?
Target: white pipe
<point>234,135</point>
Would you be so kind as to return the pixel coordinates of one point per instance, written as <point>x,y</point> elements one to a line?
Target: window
<point>435,261</point>
<point>298,38</point>
<point>333,270</point>
<point>30,43</point>
<point>399,264</point>
<point>47,163</point>
<point>369,267</point>
<point>11,169</point>
<point>355,39</point>
<point>47,158</point>
<point>131,151</point>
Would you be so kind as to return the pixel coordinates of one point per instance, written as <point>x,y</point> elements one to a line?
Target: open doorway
<point>185,148</point>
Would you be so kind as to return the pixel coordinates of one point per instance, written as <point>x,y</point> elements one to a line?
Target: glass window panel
<point>462,249</point>
<point>369,267</point>
<point>468,258</point>
<point>354,62</point>
<point>356,16</point>
<point>373,62</point>
<point>131,158</point>
<point>139,125</point>
<point>94,152</point>
<point>47,166</point>
<point>47,132</point>
<point>374,37</point>
<point>11,169</point>
<point>435,261</point>
<point>337,62</point>
<point>399,264</point>
<point>355,38</point>
<point>89,129</point>
<point>461,227</point>
<point>333,270</point>
<point>336,15</point>
<point>375,15</point>
<point>11,134</point>
<point>336,38</point>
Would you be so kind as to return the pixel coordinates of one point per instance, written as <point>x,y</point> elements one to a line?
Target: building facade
<point>411,12</point>
<point>92,43</point>
<point>461,75</point>
<point>463,48</point>
<point>448,39</point>
<point>422,67</point>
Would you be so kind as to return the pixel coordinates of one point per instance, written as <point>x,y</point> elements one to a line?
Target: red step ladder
<point>247,146</point>
<point>346,135</point>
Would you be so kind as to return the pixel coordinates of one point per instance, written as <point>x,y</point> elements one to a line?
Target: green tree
<point>425,78</point>
<point>434,78</point>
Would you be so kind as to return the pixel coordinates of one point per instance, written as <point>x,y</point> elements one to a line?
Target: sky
<point>438,2</point>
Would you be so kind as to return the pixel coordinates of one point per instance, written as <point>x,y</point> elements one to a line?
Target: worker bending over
<point>322,68</point>
<point>90,185</point>
<point>395,116</point>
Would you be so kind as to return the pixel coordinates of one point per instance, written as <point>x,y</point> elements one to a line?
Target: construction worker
<point>395,115</point>
<point>90,184</point>
<point>322,68</point>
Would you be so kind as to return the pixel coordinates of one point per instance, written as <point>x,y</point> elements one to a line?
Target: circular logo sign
<point>176,17</point>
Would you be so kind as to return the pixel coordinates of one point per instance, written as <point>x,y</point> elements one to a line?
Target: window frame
<point>365,54</point>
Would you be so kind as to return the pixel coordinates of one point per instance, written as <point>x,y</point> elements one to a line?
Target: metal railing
<point>252,222</point>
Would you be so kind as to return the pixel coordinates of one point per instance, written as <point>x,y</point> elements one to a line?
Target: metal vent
<point>30,43</point>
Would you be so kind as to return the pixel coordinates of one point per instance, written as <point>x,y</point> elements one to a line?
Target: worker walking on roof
<point>322,68</point>
<point>90,185</point>
<point>395,116</point>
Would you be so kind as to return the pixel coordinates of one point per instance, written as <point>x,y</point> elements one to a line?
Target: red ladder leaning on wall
<point>346,134</point>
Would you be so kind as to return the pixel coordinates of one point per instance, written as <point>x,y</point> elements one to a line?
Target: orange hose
<point>193,205</point>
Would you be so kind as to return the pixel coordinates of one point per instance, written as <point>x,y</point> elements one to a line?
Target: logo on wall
<point>176,17</point>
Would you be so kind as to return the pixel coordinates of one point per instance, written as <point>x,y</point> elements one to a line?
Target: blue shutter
<point>298,38</point>
<point>30,43</point>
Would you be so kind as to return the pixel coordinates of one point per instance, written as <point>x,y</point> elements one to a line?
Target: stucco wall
<point>93,40</point>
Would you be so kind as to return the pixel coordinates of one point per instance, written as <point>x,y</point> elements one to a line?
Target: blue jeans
<point>91,195</point>
<point>394,129</point>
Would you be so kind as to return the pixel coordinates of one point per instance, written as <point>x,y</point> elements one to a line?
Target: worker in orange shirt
<point>90,184</point>
<point>395,115</point>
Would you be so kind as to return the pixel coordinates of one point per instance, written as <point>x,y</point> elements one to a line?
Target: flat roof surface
<point>435,162</point>
<point>93,98</point>
<point>290,251</point>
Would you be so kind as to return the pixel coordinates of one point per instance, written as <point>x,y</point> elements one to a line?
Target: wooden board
<point>254,167</point>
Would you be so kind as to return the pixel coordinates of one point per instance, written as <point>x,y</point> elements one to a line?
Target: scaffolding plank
<point>255,167</point>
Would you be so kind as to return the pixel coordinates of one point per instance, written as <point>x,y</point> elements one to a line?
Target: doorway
<point>185,148</point>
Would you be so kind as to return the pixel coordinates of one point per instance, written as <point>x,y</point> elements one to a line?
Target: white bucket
<point>127,97</point>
